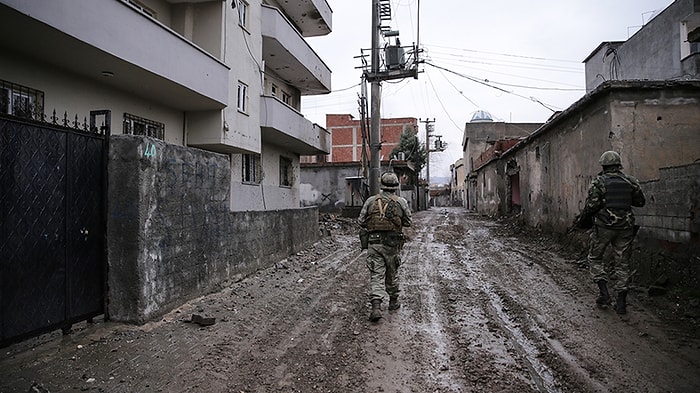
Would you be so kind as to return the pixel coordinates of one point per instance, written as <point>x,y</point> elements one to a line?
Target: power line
<point>530,66</point>
<point>488,83</point>
<point>506,84</point>
<point>440,101</point>
<point>505,54</point>
<point>459,91</point>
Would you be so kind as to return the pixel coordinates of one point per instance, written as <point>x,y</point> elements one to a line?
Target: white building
<point>225,76</point>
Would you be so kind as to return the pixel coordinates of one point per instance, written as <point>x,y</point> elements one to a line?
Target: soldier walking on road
<point>382,217</point>
<point>611,196</point>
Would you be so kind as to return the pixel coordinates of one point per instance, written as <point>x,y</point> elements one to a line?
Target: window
<point>690,36</point>
<point>273,90</point>
<point>135,125</point>
<point>286,98</point>
<point>286,172</point>
<point>242,101</point>
<point>251,169</point>
<point>21,101</point>
<point>243,13</point>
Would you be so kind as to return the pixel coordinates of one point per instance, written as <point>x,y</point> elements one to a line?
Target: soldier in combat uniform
<point>611,196</point>
<point>383,216</point>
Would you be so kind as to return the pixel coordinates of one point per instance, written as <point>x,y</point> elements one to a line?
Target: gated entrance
<point>52,224</point>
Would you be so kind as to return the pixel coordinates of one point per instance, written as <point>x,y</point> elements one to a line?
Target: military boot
<point>603,299</point>
<point>376,313</point>
<point>394,303</point>
<point>621,303</point>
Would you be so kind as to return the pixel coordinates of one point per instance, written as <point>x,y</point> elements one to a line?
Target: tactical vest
<point>384,215</point>
<point>618,192</point>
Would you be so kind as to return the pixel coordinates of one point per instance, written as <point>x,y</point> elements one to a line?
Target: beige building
<point>458,183</point>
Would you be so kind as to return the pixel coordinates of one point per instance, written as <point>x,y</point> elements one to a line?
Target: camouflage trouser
<point>383,264</point>
<point>621,242</point>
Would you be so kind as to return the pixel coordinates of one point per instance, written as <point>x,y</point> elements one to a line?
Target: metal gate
<point>52,225</point>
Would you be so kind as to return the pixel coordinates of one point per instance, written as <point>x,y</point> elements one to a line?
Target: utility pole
<point>375,145</point>
<point>429,128</point>
<point>397,66</point>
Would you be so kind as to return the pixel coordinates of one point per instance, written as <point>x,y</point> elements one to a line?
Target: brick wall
<point>346,136</point>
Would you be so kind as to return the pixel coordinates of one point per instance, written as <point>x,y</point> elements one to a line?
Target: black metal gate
<point>52,226</point>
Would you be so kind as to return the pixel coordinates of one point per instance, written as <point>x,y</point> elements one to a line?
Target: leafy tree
<point>411,147</point>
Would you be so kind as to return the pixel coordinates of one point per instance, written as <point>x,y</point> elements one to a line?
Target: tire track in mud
<point>482,311</point>
<point>586,349</point>
<point>297,334</point>
<point>501,362</point>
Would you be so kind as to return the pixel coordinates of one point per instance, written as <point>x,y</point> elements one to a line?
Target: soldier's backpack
<point>385,215</point>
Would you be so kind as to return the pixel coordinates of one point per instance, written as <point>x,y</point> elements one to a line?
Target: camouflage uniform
<point>611,196</point>
<point>385,242</point>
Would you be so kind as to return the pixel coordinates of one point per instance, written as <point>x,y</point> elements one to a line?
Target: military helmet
<point>610,158</point>
<point>389,181</point>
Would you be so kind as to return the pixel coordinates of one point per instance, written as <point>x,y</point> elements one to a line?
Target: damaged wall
<point>670,222</point>
<point>652,125</point>
<point>655,126</point>
<point>170,233</point>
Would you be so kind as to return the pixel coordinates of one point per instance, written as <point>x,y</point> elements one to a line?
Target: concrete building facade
<point>458,183</point>
<point>224,76</point>
<point>666,48</point>
<point>194,79</point>
<point>482,139</point>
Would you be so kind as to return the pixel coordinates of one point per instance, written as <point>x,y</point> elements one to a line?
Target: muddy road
<point>485,308</point>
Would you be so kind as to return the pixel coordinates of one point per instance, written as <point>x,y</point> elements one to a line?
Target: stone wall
<point>171,235</point>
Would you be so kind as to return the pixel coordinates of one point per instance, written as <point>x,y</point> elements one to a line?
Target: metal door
<point>52,258</point>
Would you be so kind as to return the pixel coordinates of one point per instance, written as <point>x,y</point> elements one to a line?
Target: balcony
<point>311,17</point>
<point>286,53</point>
<point>281,125</point>
<point>115,44</point>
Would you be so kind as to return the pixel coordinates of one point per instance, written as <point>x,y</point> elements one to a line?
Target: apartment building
<point>149,151</point>
<point>224,76</point>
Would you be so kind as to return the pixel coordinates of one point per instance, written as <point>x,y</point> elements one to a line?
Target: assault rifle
<point>580,222</point>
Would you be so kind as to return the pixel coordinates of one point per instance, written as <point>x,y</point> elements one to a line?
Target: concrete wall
<point>670,221</point>
<point>171,235</point>
<point>656,129</point>
<point>324,185</point>
<point>268,194</point>
<point>652,125</point>
<point>632,60</point>
<point>478,136</point>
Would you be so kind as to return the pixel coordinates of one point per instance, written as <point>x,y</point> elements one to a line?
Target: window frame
<point>286,172</point>
<point>243,14</point>
<point>21,101</point>
<point>287,98</point>
<point>242,97</point>
<point>137,125</point>
<point>251,166</point>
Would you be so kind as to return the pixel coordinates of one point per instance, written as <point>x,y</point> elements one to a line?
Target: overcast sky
<point>529,53</point>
